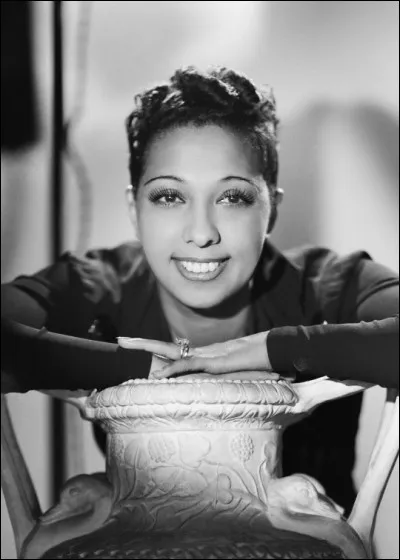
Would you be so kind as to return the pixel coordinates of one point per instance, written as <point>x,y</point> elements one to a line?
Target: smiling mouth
<point>204,270</point>
<point>208,266</point>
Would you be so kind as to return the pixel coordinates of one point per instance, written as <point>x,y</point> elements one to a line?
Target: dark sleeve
<point>366,348</point>
<point>34,356</point>
<point>38,359</point>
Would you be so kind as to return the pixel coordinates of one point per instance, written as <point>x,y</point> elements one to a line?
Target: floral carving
<point>242,447</point>
<point>225,489</point>
<point>161,448</point>
<point>192,455</point>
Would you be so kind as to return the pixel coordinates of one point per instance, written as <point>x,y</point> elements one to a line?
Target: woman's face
<point>202,213</point>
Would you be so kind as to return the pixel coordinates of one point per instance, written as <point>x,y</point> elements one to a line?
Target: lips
<point>192,259</point>
<point>197,274</point>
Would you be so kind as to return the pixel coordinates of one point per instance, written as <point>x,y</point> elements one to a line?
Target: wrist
<point>267,361</point>
<point>261,359</point>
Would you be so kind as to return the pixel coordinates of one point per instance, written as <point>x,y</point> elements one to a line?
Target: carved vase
<point>195,472</point>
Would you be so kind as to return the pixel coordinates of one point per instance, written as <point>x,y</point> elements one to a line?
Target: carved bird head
<point>302,494</point>
<point>82,494</point>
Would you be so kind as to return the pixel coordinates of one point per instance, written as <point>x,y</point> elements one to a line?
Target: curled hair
<point>219,96</point>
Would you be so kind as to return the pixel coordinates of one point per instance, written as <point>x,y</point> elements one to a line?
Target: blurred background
<point>334,69</point>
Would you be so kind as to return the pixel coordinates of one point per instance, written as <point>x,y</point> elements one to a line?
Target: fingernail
<point>127,338</point>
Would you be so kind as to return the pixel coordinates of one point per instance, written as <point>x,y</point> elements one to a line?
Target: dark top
<point>59,328</point>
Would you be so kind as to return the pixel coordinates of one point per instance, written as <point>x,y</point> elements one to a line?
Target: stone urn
<point>193,470</point>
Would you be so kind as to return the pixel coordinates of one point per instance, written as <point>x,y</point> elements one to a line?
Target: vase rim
<point>180,391</point>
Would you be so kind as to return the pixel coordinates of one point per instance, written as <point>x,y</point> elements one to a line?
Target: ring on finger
<point>184,345</point>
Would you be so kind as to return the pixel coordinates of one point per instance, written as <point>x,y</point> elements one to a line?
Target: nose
<point>201,228</point>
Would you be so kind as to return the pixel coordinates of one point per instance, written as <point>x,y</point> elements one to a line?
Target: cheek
<point>246,230</point>
<point>157,231</point>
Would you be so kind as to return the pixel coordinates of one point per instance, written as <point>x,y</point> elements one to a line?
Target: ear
<point>132,208</point>
<point>279,196</point>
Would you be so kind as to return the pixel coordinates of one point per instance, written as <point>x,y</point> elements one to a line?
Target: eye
<point>165,197</point>
<point>239,197</point>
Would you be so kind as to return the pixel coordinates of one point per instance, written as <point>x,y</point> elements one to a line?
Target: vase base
<point>117,544</point>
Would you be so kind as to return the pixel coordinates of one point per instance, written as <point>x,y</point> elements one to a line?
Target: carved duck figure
<point>84,506</point>
<point>298,503</point>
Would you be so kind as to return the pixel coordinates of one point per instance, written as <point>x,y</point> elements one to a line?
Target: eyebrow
<point>170,177</point>
<point>244,179</point>
<point>238,178</point>
<point>224,180</point>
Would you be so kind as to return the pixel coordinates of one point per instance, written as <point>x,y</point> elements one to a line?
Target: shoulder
<point>334,271</point>
<point>341,282</point>
<point>315,261</point>
<point>314,280</point>
<point>103,271</point>
<point>97,275</point>
<point>372,291</point>
<point>372,277</point>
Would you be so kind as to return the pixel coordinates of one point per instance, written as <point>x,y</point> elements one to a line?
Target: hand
<point>157,364</point>
<point>248,354</point>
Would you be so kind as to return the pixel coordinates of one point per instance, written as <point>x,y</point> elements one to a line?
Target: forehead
<point>208,150</point>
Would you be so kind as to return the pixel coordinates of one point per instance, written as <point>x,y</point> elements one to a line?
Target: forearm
<point>366,351</point>
<point>33,359</point>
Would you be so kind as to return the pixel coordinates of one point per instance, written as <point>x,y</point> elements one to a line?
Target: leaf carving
<point>193,450</point>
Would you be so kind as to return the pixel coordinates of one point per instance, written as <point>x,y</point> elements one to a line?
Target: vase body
<point>195,472</point>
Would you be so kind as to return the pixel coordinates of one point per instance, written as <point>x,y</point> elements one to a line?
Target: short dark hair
<point>217,96</point>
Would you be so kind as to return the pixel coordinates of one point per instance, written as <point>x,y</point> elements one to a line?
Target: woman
<point>203,200</point>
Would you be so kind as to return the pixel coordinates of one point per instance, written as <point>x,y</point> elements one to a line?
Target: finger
<point>213,366</point>
<point>236,375</point>
<point>162,349</point>
<point>181,366</point>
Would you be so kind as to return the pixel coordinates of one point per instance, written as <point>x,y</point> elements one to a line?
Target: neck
<point>202,327</point>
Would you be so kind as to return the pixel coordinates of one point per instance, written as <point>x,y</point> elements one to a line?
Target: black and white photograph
<point>199,279</point>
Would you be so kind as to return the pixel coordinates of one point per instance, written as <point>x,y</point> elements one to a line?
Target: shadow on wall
<point>381,134</point>
<point>300,164</point>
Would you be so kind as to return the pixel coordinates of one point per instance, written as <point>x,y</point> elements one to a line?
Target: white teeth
<point>200,267</point>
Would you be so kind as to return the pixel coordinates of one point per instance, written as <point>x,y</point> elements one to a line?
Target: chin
<point>200,301</point>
